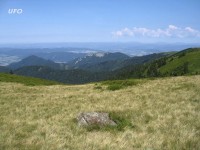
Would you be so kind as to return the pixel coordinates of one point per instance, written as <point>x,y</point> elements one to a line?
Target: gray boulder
<point>95,118</point>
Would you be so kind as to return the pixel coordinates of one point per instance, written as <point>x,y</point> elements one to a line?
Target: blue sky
<point>100,21</point>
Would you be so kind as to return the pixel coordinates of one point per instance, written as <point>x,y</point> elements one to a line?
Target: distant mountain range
<point>66,52</point>
<point>34,61</point>
<point>98,66</point>
<point>85,63</point>
<point>91,61</point>
<point>60,55</point>
<point>131,48</point>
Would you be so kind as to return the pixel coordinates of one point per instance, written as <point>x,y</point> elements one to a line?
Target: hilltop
<point>158,114</point>
<point>34,61</point>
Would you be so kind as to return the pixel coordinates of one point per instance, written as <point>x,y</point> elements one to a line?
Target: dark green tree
<point>11,72</point>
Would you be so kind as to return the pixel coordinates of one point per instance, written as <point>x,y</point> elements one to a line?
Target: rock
<point>95,118</point>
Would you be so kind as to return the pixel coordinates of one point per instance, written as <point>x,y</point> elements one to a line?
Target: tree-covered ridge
<point>185,62</point>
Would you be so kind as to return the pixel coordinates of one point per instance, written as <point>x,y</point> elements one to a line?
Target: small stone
<point>95,118</point>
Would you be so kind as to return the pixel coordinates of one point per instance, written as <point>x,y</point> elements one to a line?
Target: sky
<point>145,21</point>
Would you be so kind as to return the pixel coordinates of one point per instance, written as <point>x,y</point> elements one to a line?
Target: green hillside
<point>188,59</point>
<point>25,80</point>
<point>186,62</point>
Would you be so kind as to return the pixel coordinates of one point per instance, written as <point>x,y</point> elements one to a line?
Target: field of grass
<point>25,80</point>
<point>163,113</point>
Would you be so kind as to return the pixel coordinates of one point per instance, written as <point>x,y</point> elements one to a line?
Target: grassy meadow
<point>190,56</point>
<point>163,113</point>
<point>29,81</point>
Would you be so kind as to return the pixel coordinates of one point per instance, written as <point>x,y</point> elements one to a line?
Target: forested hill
<point>185,62</point>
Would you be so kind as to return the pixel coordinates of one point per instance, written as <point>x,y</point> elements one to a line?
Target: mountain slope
<point>62,57</point>
<point>96,58</point>
<point>99,62</point>
<point>145,59</point>
<point>185,62</point>
<point>25,80</point>
<point>74,76</point>
<point>190,58</point>
<point>34,61</point>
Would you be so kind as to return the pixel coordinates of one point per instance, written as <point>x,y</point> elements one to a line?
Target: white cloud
<point>172,27</point>
<point>170,31</point>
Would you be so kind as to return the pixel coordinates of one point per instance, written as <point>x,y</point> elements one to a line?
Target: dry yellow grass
<point>165,114</point>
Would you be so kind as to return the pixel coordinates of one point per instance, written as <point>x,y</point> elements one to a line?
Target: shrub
<point>119,84</point>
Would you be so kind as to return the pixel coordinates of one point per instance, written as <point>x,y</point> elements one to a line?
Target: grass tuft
<point>120,84</point>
